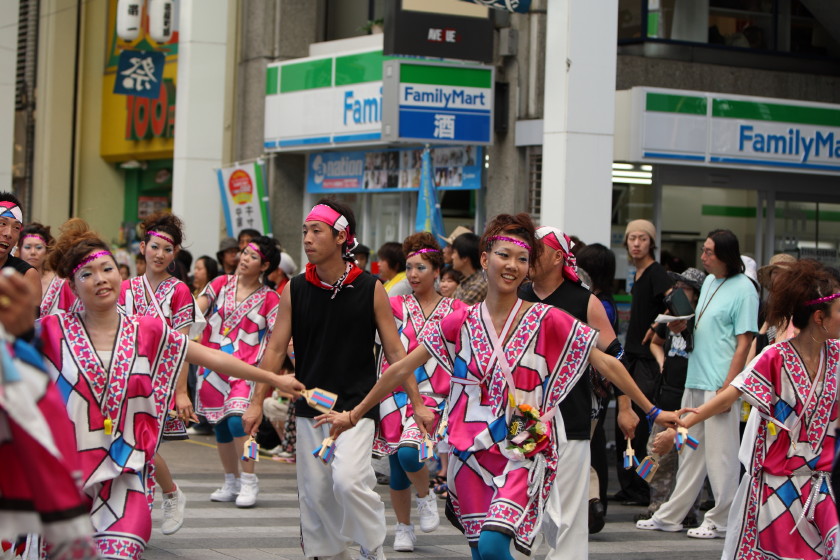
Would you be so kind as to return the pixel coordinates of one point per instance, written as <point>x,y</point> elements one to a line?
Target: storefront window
<point>765,25</point>
<point>808,230</point>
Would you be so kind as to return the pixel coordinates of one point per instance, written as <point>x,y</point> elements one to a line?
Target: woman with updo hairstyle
<point>511,363</point>
<point>116,374</point>
<point>36,243</point>
<point>240,311</point>
<point>398,436</point>
<point>788,445</point>
<point>157,293</point>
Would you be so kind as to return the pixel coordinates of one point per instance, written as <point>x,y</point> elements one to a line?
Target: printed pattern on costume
<point>178,307</point>
<point>40,490</point>
<point>548,352</point>
<point>59,298</point>
<point>240,329</point>
<point>133,394</point>
<point>789,472</point>
<point>396,414</point>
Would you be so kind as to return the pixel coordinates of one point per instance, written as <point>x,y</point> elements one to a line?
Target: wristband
<point>652,415</point>
<point>350,417</point>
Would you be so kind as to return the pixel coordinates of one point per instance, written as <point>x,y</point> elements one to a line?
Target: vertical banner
<point>429,217</point>
<point>244,200</point>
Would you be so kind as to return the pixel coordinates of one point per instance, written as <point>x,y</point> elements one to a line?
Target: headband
<point>825,299</point>
<point>559,241</point>
<point>423,250</point>
<point>509,240</point>
<point>331,217</point>
<point>9,209</point>
<point>162,236</point>
<point>36,236</point>
<point>256,249</point>
<point>90,258</point>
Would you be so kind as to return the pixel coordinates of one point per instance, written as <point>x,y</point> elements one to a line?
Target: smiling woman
<point>116,374</point>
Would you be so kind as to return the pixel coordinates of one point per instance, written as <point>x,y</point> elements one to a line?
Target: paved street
<point>216,531</point>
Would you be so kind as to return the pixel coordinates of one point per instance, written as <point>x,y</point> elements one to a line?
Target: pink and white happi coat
<point>785,507</point>
<point>176,302</point>
<point>133,392</point>
<point>241,329</point>
<point>59,298</point>
<point>548,351</point>
<point>41,486</point>
<point>396,415</point>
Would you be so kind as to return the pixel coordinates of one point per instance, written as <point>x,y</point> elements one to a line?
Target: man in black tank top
<point>554,282</point>
<point>333,311</point>
<point>11,222</point>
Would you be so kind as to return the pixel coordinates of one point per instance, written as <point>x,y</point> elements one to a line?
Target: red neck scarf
<point>351,272</point>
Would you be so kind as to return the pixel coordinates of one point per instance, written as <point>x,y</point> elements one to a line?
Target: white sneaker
<point>226,493</point>
<point>376,554</point>
<point>248,492</point>
<point>404,538</point>
<point>428,511</point>
<point>173,511</point>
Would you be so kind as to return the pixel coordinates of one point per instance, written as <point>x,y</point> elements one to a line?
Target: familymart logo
<point>793,142</point>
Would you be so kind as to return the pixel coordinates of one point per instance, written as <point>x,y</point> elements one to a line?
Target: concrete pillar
<point>579,121</point>
<point>54,119</point>
<point>272,31</point>
<point>8,64</point>
<point>200,120</point>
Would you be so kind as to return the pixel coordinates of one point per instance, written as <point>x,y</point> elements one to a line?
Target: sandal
<point>441,490</point>
<point>706,530</point>
<point>437,481</point>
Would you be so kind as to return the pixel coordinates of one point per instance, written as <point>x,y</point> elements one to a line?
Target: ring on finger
<point>5,301</point>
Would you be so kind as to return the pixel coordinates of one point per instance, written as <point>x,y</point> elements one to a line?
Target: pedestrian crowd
<point>480,366</point>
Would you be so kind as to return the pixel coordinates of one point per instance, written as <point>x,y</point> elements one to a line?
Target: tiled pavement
<point>216,531</point>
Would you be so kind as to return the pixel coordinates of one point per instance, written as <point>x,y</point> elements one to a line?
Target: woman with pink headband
<point>116,374</point>
<point>785,506</point>
<point>511,363</point>
<point>240,312</point>
<point>157,293</point>
<point>36,242</point>
<point>398,436</point>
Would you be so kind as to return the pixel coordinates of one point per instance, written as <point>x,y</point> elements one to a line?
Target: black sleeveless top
<point>334,341</point>
<point>576,408</point>
<point>18,264</point>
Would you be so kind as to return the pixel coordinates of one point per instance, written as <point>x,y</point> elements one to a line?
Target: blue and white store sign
<point>437,103</point>
<point>453,168</point>
<point>701,128</point>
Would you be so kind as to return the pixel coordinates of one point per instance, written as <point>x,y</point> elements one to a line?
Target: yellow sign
<point>133,128</point>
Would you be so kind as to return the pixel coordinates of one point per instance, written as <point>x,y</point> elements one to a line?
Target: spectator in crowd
<point>650,284</point>
<point>466,260</point>
<point>204,271</point>
<point>392,269</point>
<point>245,236</point>
<point>446,247</point>
<point>362,254</point>
<point>227,256</point>
<point>725,322</point>
<point>449,281</point>
<point>672,352</point>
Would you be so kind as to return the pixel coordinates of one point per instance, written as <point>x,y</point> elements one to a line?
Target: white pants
<point>568,503</point>
<point>717,457</point>
<point>338,505</point>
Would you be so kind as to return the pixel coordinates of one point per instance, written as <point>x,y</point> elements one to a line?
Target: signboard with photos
<point>453,168</point>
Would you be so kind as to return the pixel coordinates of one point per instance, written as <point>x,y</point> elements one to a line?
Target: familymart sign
<point>735,131</point>
<point>342,100</point>
<point>328,101</point>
